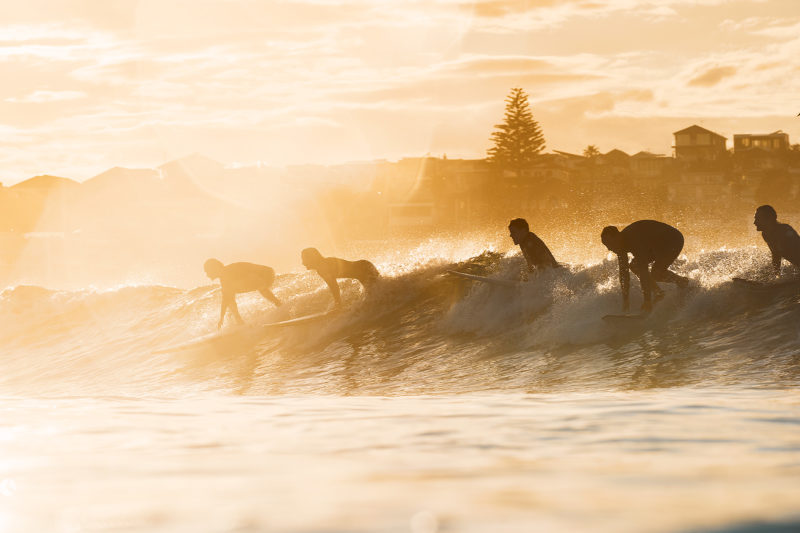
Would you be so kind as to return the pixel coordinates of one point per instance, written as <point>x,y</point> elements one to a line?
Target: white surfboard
<point>482,279</point>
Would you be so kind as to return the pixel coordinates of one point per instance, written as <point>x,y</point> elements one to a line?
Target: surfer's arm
<point>333,285</point>
<point>624,280</point>
<point>776,262</point>
<point>526,254</point>
<point>776,256</point>
<point>223,308</point>
<point>229,301</point>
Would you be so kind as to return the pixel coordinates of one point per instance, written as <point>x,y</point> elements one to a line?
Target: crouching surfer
<point>650,242</point>
<point>330,269</point>
<point>238,278</point>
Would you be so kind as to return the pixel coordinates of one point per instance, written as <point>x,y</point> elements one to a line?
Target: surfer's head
<point>518,228</point>
<point>213,268</point>
<point>612,238</point>
<point>765,217</point>
<point>311,258</point>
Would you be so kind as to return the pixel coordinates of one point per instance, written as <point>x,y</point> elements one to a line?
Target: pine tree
<point>519,139</point>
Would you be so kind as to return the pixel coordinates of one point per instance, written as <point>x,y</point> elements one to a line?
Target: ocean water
<point>432,405</point>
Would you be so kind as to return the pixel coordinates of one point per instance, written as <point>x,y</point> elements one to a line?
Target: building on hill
<point>768,169</point>
<point>769,142</point>
<point>429,192</point>
<point>649,166</point>
<point>609,168</point>
<point>413,215</point>
<point>571,161</point>
<point>756,153</point>
<point>460,190</point>
<point>696,144</point>
<point>615,159</point>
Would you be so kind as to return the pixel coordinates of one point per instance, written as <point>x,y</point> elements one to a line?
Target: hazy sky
<point>87,85</point>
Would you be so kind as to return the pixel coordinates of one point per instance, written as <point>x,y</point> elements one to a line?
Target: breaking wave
<point>420,332</point>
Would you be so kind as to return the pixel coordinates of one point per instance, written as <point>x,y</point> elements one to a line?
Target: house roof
<point>697,129</point>
<point>776,134</point>
<point>644,154</point>
<point>567,154</point>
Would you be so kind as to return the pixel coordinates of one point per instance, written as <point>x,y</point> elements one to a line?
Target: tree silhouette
<point>519,139</point>
<point>591,152</point>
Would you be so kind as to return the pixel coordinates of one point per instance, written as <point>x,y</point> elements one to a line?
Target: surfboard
<point>482,279</point>
<point>243,334</point>
<point>760,286</point>
<point>624,318</point>
<point>300,320</point>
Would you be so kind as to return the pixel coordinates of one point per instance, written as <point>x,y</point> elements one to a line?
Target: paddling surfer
<point>332,268</point>
<point>238,278</point>
<point>535,251</point>
<point>649,241</point>
<point>782,239</point>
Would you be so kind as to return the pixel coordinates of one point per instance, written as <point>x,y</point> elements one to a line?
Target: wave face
<point>421,332</point>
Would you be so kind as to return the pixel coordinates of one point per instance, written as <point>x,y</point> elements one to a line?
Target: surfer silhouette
<point>649,241</point>
<point>782,239</point>
<point>535,251</point>
<point>238,278</point>
<point>332,268</point>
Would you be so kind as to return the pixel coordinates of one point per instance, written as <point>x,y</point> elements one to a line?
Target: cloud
<point>506,8</point>
<point>502,8</point>
<point>494,65</point>
<point>317,80</point>
<point>712,76</point>
<point>768,26</point>
<point>40,97</point>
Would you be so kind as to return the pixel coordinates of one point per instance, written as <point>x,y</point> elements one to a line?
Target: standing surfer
<point>649,241</point>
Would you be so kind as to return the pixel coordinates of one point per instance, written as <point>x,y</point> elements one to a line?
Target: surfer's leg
<point>658,292</point>
<point>235,311</point>
<point>661,270</point>
<point>641,268</point>
<point>266,293</point>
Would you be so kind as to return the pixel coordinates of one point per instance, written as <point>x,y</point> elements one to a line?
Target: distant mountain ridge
<point>45,181</point>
